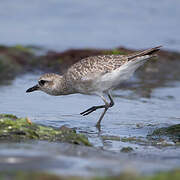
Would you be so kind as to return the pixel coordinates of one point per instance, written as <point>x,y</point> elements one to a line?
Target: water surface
<point>82,24</point>
<point>132,116</point>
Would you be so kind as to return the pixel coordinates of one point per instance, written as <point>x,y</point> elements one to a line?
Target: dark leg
<point>111,101</point>
<point>107,106</point>
<point>98,124</point>
<point>94,108</point>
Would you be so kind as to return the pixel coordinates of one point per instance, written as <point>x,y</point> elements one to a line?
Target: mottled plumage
<point>94,75</point>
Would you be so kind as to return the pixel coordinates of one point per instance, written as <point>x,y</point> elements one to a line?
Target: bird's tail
<point>147,52</point>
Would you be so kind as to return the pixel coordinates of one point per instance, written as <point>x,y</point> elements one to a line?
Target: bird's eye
<point>42,82</point>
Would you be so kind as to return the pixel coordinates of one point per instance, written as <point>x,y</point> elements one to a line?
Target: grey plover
<point>96,75</point>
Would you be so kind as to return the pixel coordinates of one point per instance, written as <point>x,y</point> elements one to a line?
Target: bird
<point>94,75</point>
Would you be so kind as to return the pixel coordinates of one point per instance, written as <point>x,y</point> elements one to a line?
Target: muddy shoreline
<point>19,59</point>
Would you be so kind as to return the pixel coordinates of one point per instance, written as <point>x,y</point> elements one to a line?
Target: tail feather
<point>149,52</point>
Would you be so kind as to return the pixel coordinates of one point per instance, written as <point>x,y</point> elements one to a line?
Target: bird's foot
<point>98,126</point>
<point>92,109</point>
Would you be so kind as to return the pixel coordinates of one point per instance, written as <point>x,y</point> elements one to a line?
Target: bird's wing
<point>93,67</point>
<point>90,68</point>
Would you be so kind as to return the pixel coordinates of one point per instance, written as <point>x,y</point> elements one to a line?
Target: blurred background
<point>140,134</point>
<point>64,24</point>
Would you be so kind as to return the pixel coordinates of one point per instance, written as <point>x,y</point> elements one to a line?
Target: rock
<point>126,149</point>
<point>14,60</point>
<point>19,129</point>
<point>166,133</point>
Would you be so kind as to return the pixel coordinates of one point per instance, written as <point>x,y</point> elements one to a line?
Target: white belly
<point>123,73</point>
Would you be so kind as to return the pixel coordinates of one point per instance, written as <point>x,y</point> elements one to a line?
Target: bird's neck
<point>62,86</point>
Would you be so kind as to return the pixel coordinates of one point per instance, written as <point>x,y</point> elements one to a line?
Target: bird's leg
<point>111,100</point>
<point>98,124</point>
<point>94,108</point>
<point>107,106</point>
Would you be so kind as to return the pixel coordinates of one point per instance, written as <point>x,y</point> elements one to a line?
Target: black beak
<point>34,88</point>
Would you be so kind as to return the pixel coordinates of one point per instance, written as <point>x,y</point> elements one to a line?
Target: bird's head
<point>49,83</point>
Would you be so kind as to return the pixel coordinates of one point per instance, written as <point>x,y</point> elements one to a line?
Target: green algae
<point>14,61</point>
<point>23,49</point>
<point>20,129</point>
<point>173,175</point>
<point>8,116</point>
<point>20,175</point>
<point>8,68</point>
<point>166,133</point>
<point>132,139</point>
<point>150,140</point>
<point>111,138</point>
<point>115,52</point>
<point>24,175</point>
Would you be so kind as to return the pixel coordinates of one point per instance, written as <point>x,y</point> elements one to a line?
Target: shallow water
<point>132,116</point>
<point>100,24</point>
